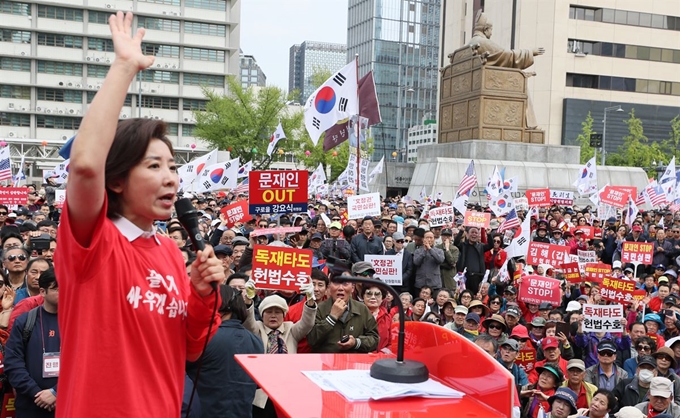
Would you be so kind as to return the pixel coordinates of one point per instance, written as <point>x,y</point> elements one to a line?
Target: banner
<point>526,359</point>
<point>599,318</point>
<point>538,197</point>
<point>614,197</point>
<point>561,198</point>
<point>617,290</point>
<point>236,213</point>
<point>387,268</point>
<point>273,231</point>
<point>597,271</point>
<point>281,268</point>
<point>572,273</point>
<point>12,196</point>
<point>637,252</point>
<point>440,216</point>
<point>543,253</point>
<point>273,192</point>
<point>363,205</point>
<point>537,289</point>
<point>477,219</point>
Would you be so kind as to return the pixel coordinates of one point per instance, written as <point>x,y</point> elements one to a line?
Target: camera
<point>40,243</point>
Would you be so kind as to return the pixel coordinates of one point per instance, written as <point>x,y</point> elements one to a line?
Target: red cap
<point>637,228</point>
<point>550,342</point>
<point>520,332</point>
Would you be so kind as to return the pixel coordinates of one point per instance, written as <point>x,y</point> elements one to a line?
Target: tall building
<point>599,54</point>
<point>425,134</point>
<point>309,57</point>
<point>54,57</point>
<point>251,74</point>
<point>399,41</point>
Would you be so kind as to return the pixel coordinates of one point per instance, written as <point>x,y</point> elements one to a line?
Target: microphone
<point>188,217</point>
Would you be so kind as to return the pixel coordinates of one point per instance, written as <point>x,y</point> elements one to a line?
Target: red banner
<point>12,196</point>
<point>588,231</point>
<point>277,191</point>
<point>572,272</point>
<point>617,290</point>
<point>543,253</point>
<point>236,213</point>
<point>478,219</point>
<point>537,289</point>
<point>526,359</point>
<point>639,294</point>
<point>631,190</point>
<point>637,252</point>
<point>281,268</point>
<point>8,408</point>
<point>597,271</point>
<point>614,197</point>
<point>538,197</point>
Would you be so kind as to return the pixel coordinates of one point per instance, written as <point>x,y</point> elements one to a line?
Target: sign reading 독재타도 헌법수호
<point>272,192</point>
<point>440,216</point>
<point>602,318</point>
<point>281,268</point>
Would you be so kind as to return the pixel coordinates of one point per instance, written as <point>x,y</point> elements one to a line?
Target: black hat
<point>648,360</point>
<point>545,306</point>
<point>606,345</point>
<point>224,250</point>
<point>447,231</point>
<point>671,300</point>
<point>511,289</point>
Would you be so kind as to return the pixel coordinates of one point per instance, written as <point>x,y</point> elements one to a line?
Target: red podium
<point>450,358</point>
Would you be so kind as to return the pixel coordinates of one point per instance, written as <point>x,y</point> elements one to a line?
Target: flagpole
<point>358,125</point>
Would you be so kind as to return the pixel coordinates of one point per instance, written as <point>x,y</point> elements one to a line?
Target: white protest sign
<point>59,196</point>
<point>602,318</point>
<point>521,203</point>
<point>387,268</point>
<point>359,206</point>
<point>587,256</point>
<point>440,216</point>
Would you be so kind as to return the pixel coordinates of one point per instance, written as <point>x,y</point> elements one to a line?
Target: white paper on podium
<point>358,385</point>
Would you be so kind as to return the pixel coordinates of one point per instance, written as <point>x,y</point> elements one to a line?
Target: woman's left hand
<point>541,396</point>
<point>207,268</point>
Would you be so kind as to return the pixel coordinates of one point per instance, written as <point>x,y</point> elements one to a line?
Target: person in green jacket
<point>451,254</point>
<point>340,316</point>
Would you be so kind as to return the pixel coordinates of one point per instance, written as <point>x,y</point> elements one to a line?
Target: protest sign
<point>477,219</point>
<point>12,196</point>
<point>617,290</point>
<point>600,318</point>
<point>521,203</point>
<point>587,256</point>
<point>561,198</point>
<point>588,232</point>
<point>614,197</point>
<point>359,206</point>
<point>630,190</point>
<point>637,252</point>
<point>273,192</point>
<point>274,231</point>
<point>543,253</point>
<point>281,268</point>
<point>236,213</point>
<point>387,268</point>
<point>597,271</point>
<point>639,294</point>
<point>59,198</point>
<point>538,197</point>
<point>440,216</point>
<point>8,408</point>
<point>572,273</point>
<point>537,289</point>
<point>526,359</point>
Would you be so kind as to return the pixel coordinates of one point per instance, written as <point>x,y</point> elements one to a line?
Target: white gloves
<point>251,291</point>
<point>308,290</point>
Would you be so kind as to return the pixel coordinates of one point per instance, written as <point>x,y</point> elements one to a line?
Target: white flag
<point>631,212</point>
<point>217,177</point>
<point>189,171</point>
<point>495,183</point>
<point>245,169</point>
<point>668,181</point>
<point>20,173</point>
<point>511,185</point>
<point>423,194</point>
<point>317,179</point>
<point>520,243</point>
<point>378,169</point>
<point>596,197</point>
<point>275,138</point>
<point>60,172</point>
<point>502,204</point>
<point>587,181</point>
<point>335,100</point>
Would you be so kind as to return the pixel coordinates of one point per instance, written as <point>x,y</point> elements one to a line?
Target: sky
<point>270,27</point>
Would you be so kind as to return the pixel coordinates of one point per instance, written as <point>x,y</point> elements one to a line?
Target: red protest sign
<point>538,197</point>
<point>236,213</point>
<point>617,290</point>
<point>588,231</point>
<point>277,191</point>
<point>8,408</point>
<point>597,271</point>
<point>614,197</point>
<point>281,268</point>
<point>572,272</point>
<point>543,253</point>
<point>639,294</point>
<point>526,359</point>
<point>478,219</point>
<point>637,252</point>
<point>13,196</point>
<point>537,289</point>
<point>630,190</point>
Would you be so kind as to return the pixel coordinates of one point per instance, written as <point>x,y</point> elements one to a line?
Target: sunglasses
<point>2,283</point>
<point>644,348</point>
<point>3,213</point>
<point>666,358</point>
<point>496,241</point>
<point>365,274</point>
<point>401,241</point>
<point>606,353</point>
<point>495,302</point>
<point>14,257</point>
<point>373,294</point>
<point>495,326</point>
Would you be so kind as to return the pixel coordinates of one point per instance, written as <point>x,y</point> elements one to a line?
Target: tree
<point>242,121</point>
<point>671,144</point>
<point>637,151</point>
<point>587,152</point>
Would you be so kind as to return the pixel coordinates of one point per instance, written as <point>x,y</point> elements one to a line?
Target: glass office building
<point>309,57</point>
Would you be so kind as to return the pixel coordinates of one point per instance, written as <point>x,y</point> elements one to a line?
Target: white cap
<point>573,306</point>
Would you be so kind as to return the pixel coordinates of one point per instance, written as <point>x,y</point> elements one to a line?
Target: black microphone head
<point>186,213</point>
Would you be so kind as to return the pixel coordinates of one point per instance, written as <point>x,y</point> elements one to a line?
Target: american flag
<point>654,192</point>
<point>511,221</point>
<point>5,165</point>
<point>242,188</point>
<point>468,181</point>
<point>640,200</point>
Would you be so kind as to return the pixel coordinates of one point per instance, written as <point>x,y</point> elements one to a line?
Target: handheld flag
<point>275,138</point>
<point>245,169</point>
<point>667,181</point>
<point>587,180</point>
<point>502,204</point>
<point>632,212</point>
<point>5,164</point>
<point>378,169</point>
<point>65,150</point>
<point>189,171</point>
<point>511,221</point>
<point>60,172</point>
<point>511,185</point>
<point>20,173</point>
<point>495,183</point>
<point>218,176</point>
<point>520,243</point>
<point>467,183</point>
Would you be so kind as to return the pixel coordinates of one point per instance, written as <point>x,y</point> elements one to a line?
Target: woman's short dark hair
<point>232,301</point>
<point>611,399</point>
<point>383,292</point>
<point>128,149</point>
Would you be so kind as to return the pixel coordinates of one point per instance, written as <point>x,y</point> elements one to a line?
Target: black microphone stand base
<point>407,371</point>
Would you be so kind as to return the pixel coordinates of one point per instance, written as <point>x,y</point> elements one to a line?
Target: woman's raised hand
<point>128,48</point>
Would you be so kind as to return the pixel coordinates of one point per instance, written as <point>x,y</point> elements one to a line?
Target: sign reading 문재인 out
<point>271,192</point>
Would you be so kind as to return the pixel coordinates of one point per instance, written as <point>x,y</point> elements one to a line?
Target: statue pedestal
<point>483,102</point>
